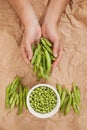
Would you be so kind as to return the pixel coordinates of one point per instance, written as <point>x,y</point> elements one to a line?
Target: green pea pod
<point>25,92</point>
<point>49,49</point>
<point>44,62</point>
<point>14,101</point>
<point>12,98</point>
<point>78,94</point>
<point>63,96</point>
<point>46,76</point>
<point>7,96</point>
<point>48,61</point>
<point>36,53</point>
<point>68,105</point>
<point>14,86</point>
<point>41,71</point>
<point>63,106</point>
<point>17,102</point>
<point>38,59</point>
<point>75,93</point>
<point>20,108</point>
<point>75,107</point>
<point>59,89</point>
<point>47,41</point>
<point>17,79</point>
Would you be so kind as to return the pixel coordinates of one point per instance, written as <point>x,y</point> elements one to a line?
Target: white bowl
<point>47,114</point>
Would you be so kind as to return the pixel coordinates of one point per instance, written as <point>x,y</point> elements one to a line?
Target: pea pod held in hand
<point>35,53</point>
<point>46,46</point>
<point>46,41</point>
<point>48,61</point>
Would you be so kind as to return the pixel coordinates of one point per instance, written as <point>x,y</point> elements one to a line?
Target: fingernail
<point>55,55</point>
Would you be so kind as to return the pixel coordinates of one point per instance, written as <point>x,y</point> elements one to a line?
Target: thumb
<point>56,48</point>
<point>29,51</point>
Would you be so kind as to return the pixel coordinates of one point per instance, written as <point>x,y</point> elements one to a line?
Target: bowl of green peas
<point>43,100</point>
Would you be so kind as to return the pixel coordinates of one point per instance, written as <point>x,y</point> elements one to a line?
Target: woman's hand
<point>32,34</point>
<point>50,31</point>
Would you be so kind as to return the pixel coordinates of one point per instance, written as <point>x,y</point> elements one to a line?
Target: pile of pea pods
<point>69,99</point>
<point>16,95</point>
<point>42,58</point>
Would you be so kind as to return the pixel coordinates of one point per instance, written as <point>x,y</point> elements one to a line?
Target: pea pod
<point>14,101</point>
<point>75,105</point>
<point>25,92</point>
<point>17,102</point>
<point>63,106</point>
<point>47,42</point>
<point>46,46</point>
<point>36,53</point>
<point>68,105</point>
<point>78,94</point>
<point>20,101</point>
<point>38,59</point>
<point>14,86</point>
<point>63,96</point>
<point>17,79</point>
<point>44,62</point>
<point>7,96</point>
<point>75,93</point>
<point>48,61</point>
<point>59,89</point>
<point>12,98</point>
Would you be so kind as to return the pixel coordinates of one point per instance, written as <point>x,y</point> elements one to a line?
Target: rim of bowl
<point>46,115</point>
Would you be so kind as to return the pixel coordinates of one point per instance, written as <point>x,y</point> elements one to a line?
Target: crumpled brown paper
<point>72,67</point>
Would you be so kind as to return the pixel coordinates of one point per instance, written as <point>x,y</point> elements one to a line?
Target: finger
<point>38,35</point>
<point>24,54</point>
<point>55,48</point>
<point>59,56</point>
<point>29,51</point>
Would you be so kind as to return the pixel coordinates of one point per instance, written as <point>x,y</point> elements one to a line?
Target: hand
<point>50,31</point>
<point>32,34</point>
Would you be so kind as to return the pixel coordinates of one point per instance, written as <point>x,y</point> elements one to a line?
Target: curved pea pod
<point>20,107</point>
<point>41,71</point>
<point>49,49</point>
<point>48,61</point>
<point>68,105</point>
<point>14,101</point>
<point>47,41</point>
<point>7,96</point>
<point>12,98</point>
<point>44,62</point>
<point>38,59</point>
<point>59,89</point>
<point>36,53</point>
<point>75,93</point>
<point>17,79</point>
<point>25,92</point>
<point>17,102</point>
<point>14,86</point>
<point>63,96</point>
<point>63,106</point>
<point>78,94</point>
<point>75,106</point>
